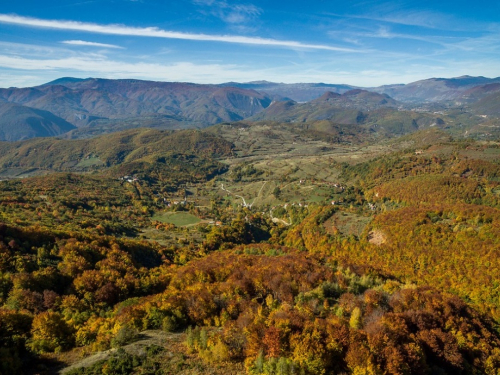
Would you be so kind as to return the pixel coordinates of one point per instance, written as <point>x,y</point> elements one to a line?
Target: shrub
<point>125,335</point>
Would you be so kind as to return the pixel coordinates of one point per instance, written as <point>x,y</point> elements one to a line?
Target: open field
<point>179,219</point>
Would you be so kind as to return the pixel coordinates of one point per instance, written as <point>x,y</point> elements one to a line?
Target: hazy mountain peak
<point>328,95</point>
<point>65,80</point>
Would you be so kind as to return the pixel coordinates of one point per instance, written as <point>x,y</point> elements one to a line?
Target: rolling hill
<point>479,92</point>
<point>18,122</point>
<point>488,105</point>
<point>373,112</point>
<point>120,153</point>
<point>338,107</point>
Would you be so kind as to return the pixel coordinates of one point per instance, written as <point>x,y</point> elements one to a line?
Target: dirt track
<point>138,347</point>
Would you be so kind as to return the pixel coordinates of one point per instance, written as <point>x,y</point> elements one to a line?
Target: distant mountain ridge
<point>81,101</point>
<point>299,92</point>
<point>330,105</point>
<point>369,111</point>
<point>434,89</point>
<point>85,107</point>
<point>18,122</point>
<point>65,80</point>
<point>427,90</point>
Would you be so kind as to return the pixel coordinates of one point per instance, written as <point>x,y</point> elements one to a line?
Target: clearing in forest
<point>179,219</point>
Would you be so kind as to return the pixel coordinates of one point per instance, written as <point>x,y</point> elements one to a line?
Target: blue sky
<point>363,43</point>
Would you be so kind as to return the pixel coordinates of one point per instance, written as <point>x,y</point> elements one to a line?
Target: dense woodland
<point>416,291</point>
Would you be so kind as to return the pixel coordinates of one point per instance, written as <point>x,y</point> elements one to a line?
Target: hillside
<point>434,89</point>
<point>372,112</point>
<point>80,102</point>
<point>300,92</point>
<point>488,105</point>
<point>330,106</point>
<point>19,122</point>
<point>478,92</point>
<point>130,152</point>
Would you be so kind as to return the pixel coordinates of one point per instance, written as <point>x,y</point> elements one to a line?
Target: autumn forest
<point>244,261</point>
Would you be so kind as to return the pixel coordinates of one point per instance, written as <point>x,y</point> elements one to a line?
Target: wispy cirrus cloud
<point>384,32</point>
<point>440,43</point>
<point>90,66</point>
<point>90,44</point>
<point>394,14</point>
<point>85,66</point>
<point>421,19</point>
<point>38,69</point>
<point>155,32</point>
<point>231,13</point>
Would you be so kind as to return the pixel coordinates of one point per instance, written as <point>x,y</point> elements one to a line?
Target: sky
<point>361,43</point>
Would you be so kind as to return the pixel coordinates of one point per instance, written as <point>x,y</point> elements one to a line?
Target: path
<point>245,204</point>
<point>238,196</point>
<point>276,220</point>
<point>146,338</point>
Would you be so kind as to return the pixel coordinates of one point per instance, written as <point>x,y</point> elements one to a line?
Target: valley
<point>349,234</point>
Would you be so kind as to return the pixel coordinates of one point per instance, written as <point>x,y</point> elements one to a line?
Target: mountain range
<point>427,90</point>
<point>370,111</point>
<point>80,108</point>
<point>88,101</point>
<point>299,92</point>
<point>436,89</point>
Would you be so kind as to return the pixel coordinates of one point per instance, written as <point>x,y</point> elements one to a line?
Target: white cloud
<point>231,13</point>
<point>19,71</point>
<point>155,32</point>
<point>384,32</point>
<point>392,14</point>
<point>90,66</point>
<point>425,19</point>
<point>89,44</point>
<point>30,49</point>
<point>21,80</point>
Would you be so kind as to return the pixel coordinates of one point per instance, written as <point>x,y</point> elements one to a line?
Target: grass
<point>156,352</point>
<point>347,223</point>
<point>179,219</point>
<point>89,162</point>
